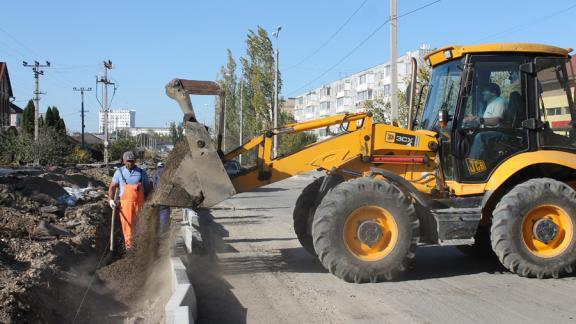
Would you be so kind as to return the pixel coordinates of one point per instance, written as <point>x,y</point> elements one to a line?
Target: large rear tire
<point>533,229</point>
<point>303,214</point>
<point>365,230</point>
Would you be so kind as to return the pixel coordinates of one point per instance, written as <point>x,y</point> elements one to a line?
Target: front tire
<point>365,230</point>
<point>533,229</point>
<point>304,214</point>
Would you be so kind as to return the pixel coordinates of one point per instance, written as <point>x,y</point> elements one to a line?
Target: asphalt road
<point>260,274</point>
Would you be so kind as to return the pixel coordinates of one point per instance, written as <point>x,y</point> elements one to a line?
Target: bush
<point>78,155</point>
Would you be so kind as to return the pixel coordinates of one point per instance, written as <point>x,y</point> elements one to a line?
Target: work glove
<point>112,203</point>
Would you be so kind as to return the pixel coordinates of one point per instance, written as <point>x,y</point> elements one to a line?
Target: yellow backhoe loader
<point>489,164</point>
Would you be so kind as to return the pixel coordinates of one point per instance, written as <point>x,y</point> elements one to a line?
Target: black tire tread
<point>506,213</point>
<point>340,262</point>
<point>304,203</point>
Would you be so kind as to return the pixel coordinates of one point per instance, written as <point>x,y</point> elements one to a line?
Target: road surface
<point>260,274</point>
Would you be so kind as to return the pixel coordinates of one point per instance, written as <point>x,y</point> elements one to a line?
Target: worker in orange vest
<point>133,184</point>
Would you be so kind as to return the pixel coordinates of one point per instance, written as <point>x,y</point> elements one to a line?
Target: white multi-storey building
<point>117,119</point>
<point>350,93</point>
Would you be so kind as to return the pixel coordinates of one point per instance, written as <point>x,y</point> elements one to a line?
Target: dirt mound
<point>43,277</point>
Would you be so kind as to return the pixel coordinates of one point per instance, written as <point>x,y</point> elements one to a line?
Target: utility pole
<point>104,80</point>
<point>37,73</point>
<point>275,149</point>
<point>241,117</point>
<point>393,61</point>
<point>82,89</point>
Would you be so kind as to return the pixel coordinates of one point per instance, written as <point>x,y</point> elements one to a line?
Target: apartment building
<point>350,93</point>
<point>117,119</point>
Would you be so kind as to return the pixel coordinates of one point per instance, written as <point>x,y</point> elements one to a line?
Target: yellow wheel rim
<point>563,233</point>
<point>379,218</point>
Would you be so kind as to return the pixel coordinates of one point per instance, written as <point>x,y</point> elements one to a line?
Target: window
<point>387,70</point>
<point>386,91</point>
<point>362,79</point>
<point>555,104</point>
<point>325,105</point>
<point>364,95</point>
<point>325,91</point>
<point>339,102</point>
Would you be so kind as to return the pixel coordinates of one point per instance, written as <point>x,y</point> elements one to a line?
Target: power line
<point>331,36</point>
<point>360,45</point>
<point>530,23</point>
<point>20,43</point>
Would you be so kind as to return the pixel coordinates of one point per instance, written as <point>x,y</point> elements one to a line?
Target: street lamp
<point>275,148</point>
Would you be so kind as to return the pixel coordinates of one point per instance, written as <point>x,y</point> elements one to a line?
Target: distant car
<point>233,168</point>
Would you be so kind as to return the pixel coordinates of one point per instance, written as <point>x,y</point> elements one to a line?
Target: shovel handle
<point>112,222</point>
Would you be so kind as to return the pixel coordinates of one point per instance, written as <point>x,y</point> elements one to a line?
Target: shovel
<point>112,222</point>
<point>109,257</point>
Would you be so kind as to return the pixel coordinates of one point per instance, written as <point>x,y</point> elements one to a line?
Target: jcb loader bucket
<point>194,174</point>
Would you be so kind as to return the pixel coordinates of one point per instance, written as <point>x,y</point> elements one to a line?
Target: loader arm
<point>328,154</point>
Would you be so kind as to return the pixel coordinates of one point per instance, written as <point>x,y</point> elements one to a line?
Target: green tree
<point>61,127</point>
<point>117,148</point>
<point>49,118</point>
<point>382,110</point>
<point>259,66</point>
<point>28,118</point>
<point>176,132</point>
<point>228,83</point>
<point>289,143</point>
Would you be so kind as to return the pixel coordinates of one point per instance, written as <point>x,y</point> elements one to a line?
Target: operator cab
<point>490,102</point>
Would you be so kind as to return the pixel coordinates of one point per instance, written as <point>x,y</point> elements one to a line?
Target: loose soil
<point>50,252</point>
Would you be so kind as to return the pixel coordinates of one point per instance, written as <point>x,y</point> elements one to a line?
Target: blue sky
<point>151,42</point>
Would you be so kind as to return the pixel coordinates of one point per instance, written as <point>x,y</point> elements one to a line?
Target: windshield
<point>442,93</point>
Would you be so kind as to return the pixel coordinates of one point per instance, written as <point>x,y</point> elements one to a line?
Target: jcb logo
<point>475,166</point>
<point>402,139</point>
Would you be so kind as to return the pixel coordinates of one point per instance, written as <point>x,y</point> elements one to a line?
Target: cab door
<point>489,128</point>
<point>556,115</point>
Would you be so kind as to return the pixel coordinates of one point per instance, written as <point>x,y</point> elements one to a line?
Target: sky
<point>152,42</point>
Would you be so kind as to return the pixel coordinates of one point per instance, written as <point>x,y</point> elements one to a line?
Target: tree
<point>49,118</point>
<point>259,66</point>
<point>382,111</point>
<point>228,83</point>
<point>117,148</point>
<point>61,127</point>
<point>28,118</point>
<point>176,132</point>
<point>289,143</point>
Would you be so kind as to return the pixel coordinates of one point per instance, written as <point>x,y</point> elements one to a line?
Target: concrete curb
<point>182,306</point>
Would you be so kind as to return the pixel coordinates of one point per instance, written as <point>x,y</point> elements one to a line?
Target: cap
<point>128,156</point>
<point>160,164</point>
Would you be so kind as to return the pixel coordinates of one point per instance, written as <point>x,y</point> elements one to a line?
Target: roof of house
<point>4,74</point>
<point>15,109</point>
<point>89,139</point>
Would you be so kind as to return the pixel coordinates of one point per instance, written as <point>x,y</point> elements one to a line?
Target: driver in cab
<point>491,118</point>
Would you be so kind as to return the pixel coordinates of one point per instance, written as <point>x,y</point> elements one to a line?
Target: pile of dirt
<point>50,244</point>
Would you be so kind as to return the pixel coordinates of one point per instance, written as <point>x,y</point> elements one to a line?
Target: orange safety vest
<point>131,202</point>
